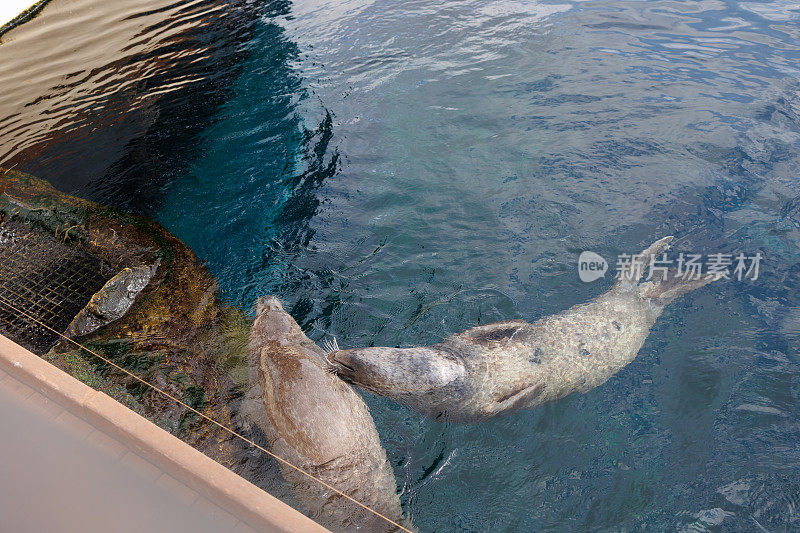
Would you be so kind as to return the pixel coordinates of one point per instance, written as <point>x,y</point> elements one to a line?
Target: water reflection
<point>106,100</point>
<point>257,175</point>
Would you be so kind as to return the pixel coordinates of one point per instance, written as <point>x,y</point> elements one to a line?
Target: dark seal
<point>319,423</point>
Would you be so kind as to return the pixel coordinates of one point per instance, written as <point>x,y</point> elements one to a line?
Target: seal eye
<point>348,367</point>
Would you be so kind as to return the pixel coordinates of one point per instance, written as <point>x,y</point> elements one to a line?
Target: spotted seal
<point>497,368</point>
<point>317,422</point>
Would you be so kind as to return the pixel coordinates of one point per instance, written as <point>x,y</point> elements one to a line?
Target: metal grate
<point>47,279</point>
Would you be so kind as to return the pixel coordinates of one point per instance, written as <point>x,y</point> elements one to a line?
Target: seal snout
<point>340,362</point>
<point>268,303</point>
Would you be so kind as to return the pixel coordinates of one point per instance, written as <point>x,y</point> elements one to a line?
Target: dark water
<point>397,172</point>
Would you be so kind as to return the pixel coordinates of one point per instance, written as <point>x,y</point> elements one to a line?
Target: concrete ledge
<point>230,491</point>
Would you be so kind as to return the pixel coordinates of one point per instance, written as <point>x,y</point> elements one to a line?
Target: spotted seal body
<point>493,369</point>
<point>319,423</point>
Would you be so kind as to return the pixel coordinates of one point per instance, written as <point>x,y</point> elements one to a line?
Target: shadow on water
<point>289,233</point>
<point>136,117</point>
<point>107,102</point>
<point>256,177</point>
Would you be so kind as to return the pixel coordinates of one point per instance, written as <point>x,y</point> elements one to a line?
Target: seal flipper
<point>497,333</point>
<point>672,285</point>
<point>633,270</point>
<point>523,397</point>
<point>665,285</point>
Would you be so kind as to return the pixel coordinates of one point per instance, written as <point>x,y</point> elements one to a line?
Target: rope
<point>224,428</point>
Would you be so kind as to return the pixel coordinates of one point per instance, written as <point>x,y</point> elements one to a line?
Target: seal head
<point>404,373</point>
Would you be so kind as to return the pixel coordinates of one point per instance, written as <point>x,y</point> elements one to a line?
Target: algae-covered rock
<point>159,317</point>
<point>112,301</point>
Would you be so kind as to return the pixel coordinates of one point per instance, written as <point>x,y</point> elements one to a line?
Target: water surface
<point>398,172</point>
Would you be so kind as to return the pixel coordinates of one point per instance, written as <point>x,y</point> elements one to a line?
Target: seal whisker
<point>330,346</point>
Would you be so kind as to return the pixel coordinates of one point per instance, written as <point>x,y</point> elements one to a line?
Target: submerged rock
<point>158,316</point>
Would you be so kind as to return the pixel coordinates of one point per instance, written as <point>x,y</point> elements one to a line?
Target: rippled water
<point>107,100</point>
<point>398,172</point>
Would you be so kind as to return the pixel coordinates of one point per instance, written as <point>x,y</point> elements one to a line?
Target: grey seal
<point>497,368</point>
<point>319,423</point>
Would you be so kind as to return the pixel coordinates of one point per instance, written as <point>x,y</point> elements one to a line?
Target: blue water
<point>397,172</point>
<point>474,150</point>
